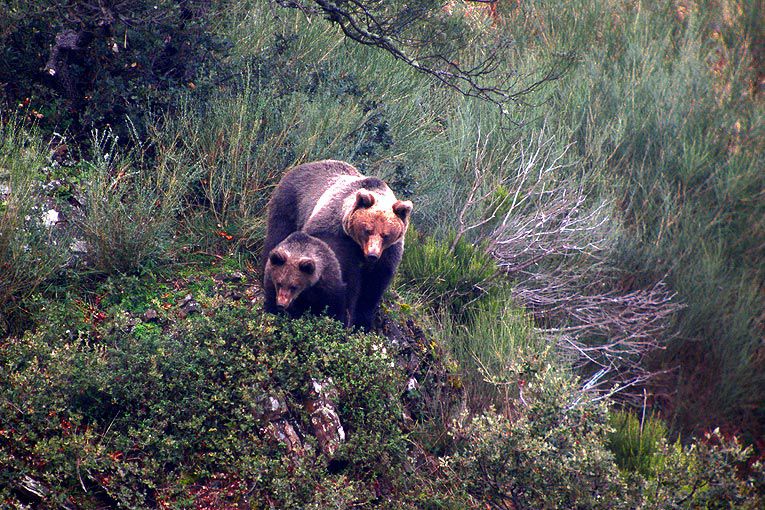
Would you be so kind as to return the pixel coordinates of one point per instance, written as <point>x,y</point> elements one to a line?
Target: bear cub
<point>302,275</point>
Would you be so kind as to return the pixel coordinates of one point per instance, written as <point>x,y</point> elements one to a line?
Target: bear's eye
<point>307,266</point>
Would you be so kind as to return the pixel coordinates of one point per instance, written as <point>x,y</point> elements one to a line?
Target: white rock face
<point>50,218</point>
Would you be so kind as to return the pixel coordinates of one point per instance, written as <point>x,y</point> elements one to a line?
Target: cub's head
<point>291,273</point>
<point>376,220</point>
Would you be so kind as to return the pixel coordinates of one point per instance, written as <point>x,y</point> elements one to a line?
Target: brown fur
<point>290,276</point>
<point>359,218</point>
<point>374,230</point>
<point>302,275</point>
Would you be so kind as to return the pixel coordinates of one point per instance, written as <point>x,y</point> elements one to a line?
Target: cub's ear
<point>402,209</point>
<point>364,198</point>
<point>277,258</point>
<point>307,266</point>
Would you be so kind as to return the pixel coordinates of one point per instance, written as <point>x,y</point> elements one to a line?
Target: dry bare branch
<point>553,242</point>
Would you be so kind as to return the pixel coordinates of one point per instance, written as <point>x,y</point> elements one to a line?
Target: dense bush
<point>103,408</point>
<point>148,393</point>
<point>74,66</point>
<point>715,472</point>
<point>551,449</point>
<point>547,453</point>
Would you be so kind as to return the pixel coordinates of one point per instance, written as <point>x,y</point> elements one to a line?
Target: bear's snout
<point>373,248</point>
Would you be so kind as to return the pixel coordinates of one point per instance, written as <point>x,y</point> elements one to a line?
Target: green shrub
<point>548,453</point>
<point>444,276</point>
<point>636,445</point>
<point>131,211</point>
<point>100,408</point>
<point>550,449</point>
<point>714,472</point>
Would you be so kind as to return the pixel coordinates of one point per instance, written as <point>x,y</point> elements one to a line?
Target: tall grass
<point>637,442</point>
<point>302,93</point>
<point>473,312</point>
<point>131,210</point>
<point>662,109</point>
<point>497,338</point>
<point>31,249</point>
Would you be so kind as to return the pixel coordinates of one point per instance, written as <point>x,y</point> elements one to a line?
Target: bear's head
<point>291,275</point>
<point>376,221</point>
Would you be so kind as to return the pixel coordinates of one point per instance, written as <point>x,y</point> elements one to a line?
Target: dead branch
<point>405,32</point>
<point>553,242</point>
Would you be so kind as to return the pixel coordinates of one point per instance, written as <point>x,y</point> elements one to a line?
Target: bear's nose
<point>372,257</point>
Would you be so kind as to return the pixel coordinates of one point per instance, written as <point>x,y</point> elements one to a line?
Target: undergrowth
<point>105,408</point>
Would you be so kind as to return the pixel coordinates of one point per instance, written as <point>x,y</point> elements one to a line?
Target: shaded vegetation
<point>73,66</point>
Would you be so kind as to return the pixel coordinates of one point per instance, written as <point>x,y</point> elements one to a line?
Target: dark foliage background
<point>73,65</point>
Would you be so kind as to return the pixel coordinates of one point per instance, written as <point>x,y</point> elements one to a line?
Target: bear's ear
<point>307,266</point>
<point>277,258</point>
<point>364,198</point>
<point>402,209</point>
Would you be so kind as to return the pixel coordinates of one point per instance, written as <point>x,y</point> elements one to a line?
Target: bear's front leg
<point>374,281</point>
<point>338,311</point>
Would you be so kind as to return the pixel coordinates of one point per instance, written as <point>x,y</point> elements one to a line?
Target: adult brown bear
<point>359,218</point>
<point>302,275</point>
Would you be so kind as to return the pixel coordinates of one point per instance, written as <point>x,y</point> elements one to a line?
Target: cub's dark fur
<point>303,275</point>
<point>359,218</point>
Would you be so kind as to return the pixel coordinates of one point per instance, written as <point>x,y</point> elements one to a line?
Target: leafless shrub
<point>555,243</point>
